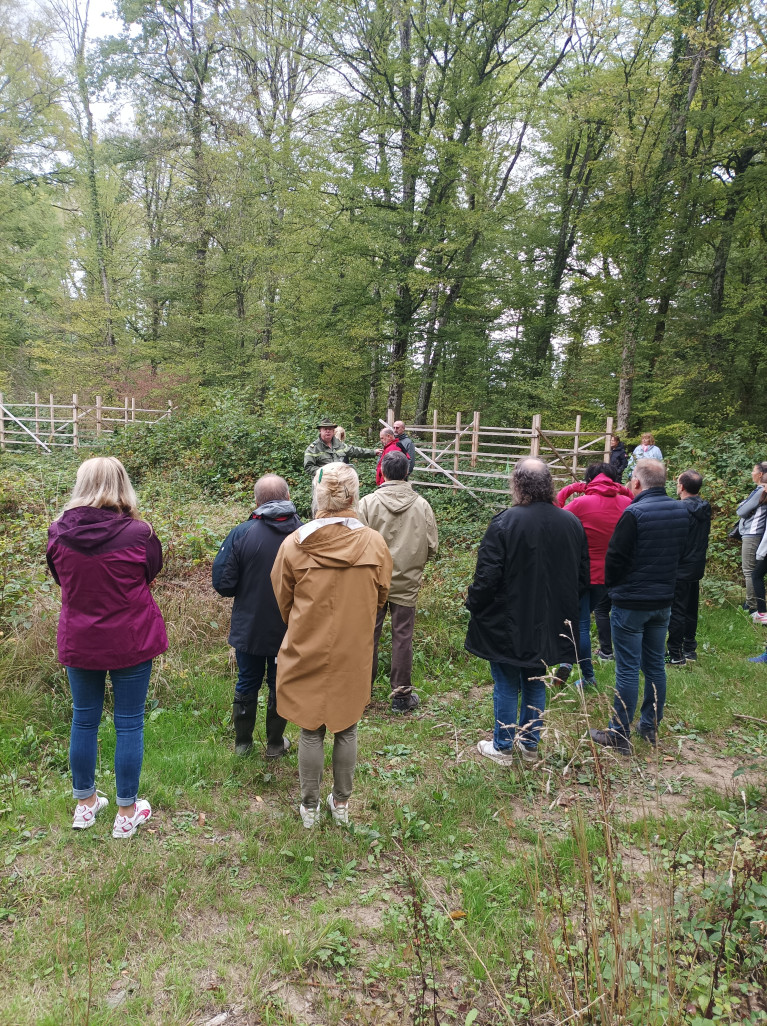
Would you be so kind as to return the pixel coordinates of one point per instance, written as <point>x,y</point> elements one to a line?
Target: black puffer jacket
<point>618,459</point>
<point>644,552</point>
<point>242,567</point>
<point>532,566</point>
<point>692,565</point>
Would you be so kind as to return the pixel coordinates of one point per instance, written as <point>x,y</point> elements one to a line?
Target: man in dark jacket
<point>640,573</point>
<point>683,625</point>
<point>241,569</point>
<point>618,458</point>
<point>532,566</point>
<point>408,446</point>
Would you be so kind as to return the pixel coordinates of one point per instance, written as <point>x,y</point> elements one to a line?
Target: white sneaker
<point>527,754</point>
<point>488,749</point>
<point>340,813</point>
<point>85,815</point>
<point>310,817</point>
<point>126,826</point>
<point>759,617</point>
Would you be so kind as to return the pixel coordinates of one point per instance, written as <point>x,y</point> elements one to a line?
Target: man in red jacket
<point>389,443</point>
<point>599,509</point>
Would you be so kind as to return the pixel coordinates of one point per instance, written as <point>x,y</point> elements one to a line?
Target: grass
<point>592,889</point>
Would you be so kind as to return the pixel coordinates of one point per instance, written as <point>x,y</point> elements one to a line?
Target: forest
<point>503,205</point>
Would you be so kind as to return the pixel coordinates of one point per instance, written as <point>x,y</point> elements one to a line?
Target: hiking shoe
<point>754,659</point>
<point>759,618</point>
<point>605,656</point>
<point>126,826</point>
<point>85,815</point>
<point>649,735</point>
<point>611,739</point>
<point>563,672</point>
<point>528,753</point>
<point>310,817</point>
<point>488,749</point>
<point>670,660</point>
<point>405,703</point>
<point>340,813</point>
<point>276,751</point>
<point>691,657</point>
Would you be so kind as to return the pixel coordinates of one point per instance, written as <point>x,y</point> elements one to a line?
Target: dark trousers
<point>757,579</point>
<point>602,617</point>
<point>249,679</point>
<point>683,624</point>
<point>402,624</point>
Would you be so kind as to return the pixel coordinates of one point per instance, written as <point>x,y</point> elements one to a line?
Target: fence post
<point>126,411</point>
<point>576,445</point>
<point>37,416</point>
<point>434,423</point>
<point>75,425</point>
<point>457,445</point>
<point>170,408</point>
<point>2,422</point>
<point>52,415</point>
<point>475,439</point>
<point>608,438</point>
<point>98,416</point>
<point>535,439</point>
<point>390,416</point>
<point>133,409</point>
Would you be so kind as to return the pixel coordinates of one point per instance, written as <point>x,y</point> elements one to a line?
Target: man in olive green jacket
<point>329,449</point>
<point>407,523</point>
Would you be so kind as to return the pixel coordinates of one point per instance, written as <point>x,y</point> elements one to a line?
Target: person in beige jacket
<point>330,578</point>
<point>407,523</point>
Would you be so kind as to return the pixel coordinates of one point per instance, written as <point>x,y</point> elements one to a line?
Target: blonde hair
<point>103,482</point>
<point>650,438</point>
<point>340,434</point>
<point>337,489</point>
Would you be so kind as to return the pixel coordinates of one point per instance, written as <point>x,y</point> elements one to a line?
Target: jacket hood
<point>333,543</point>
<point>698,508</point>
<point>604,485</point>
<point>86,527</point>
<point>274,510</point>
<point>397,496</point>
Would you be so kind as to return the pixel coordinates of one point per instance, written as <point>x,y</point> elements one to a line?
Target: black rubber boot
<point>276,743</point>
<point>244,719</point>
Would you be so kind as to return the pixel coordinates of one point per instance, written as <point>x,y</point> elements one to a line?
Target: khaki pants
<point>311,762</point>
<point>402,624</point>
<point>748,547</point>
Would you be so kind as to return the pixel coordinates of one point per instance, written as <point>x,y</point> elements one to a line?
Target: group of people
<point>310,601</point>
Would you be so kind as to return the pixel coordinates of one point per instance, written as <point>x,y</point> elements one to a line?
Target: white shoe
<point>126,826</point>
<point>340,813</point>
<point>759,617</point>
<point>85,815</point>
<point>310,817</point>
<point>527,754</point>
<point>488,749</point>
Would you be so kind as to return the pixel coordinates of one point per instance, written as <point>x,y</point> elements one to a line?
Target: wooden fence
<point>47,424</point>
<point>477,458</point>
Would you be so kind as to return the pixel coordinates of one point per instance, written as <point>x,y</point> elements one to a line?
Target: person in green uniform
<point>329,449</point>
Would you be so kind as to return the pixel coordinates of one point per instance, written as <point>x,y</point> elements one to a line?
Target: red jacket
<point>393,446</point>
<point>599,510</point>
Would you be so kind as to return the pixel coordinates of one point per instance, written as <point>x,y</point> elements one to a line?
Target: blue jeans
<point>639,642</point>
<point>130,687</point>
<point>511,683</point>
<point>590,599</point>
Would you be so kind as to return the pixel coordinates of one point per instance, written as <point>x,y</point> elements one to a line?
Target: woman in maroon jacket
<point>104,557</point>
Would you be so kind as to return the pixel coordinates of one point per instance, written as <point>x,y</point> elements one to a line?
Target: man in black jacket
<point>532,567</point>
<point>618,458</point>
<point>683,625</point>
<point>640,573</point>
<point>241,569</point>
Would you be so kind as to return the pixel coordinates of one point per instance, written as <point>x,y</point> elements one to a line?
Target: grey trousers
<point>311,762</point>
<point>402,624</point>
<point>748,547</point>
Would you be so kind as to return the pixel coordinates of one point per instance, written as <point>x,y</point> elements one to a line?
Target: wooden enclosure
<point>48,424</point>
<point>479,458</point>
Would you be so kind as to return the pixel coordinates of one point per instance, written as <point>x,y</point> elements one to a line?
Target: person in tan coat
<point>409,528</point>
<point>330,578</point>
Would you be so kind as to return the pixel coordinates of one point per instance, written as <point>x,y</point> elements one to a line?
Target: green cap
<point>327,422</point>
